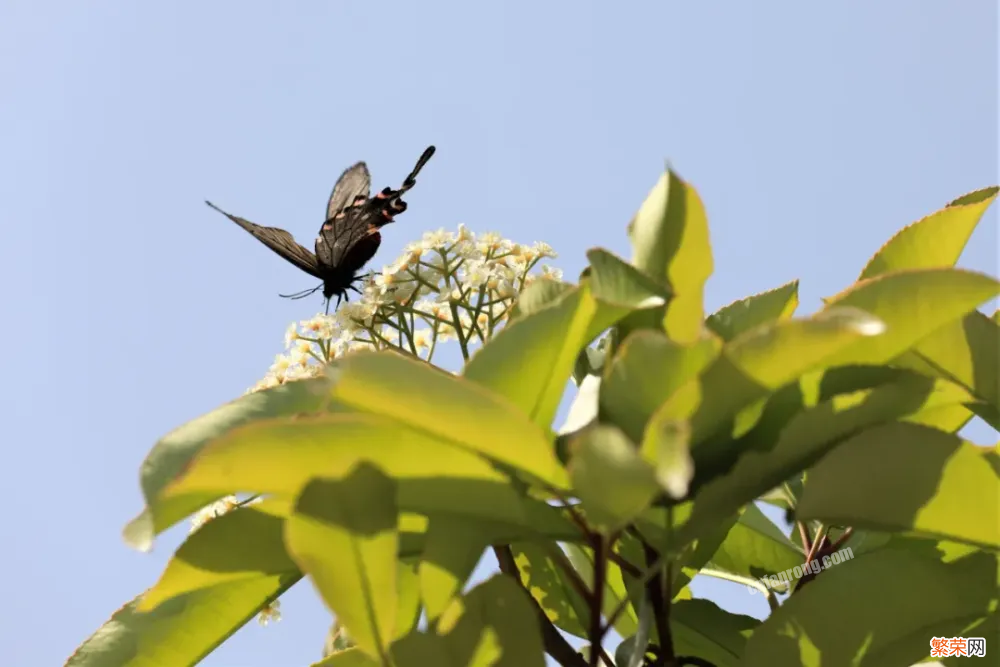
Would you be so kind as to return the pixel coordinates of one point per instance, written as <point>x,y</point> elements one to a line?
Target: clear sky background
<point>813,131</point>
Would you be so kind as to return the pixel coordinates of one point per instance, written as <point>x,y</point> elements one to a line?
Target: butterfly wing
<point>349,238</point>
<point>353,185</point>
<point>341,234</point>
<point>280,242</point>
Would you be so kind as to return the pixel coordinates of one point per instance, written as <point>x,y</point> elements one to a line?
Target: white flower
<point>216,509</point>
<point>477,272</point>
<point>504,289</point>
<point>437,240</point>
<point>291,334</point>
<point>355,314</point>
<point>550,273</point>
<point>385,280</point>
<point>320,326</point>
<point>491,242</point>
<point>464,234</point>
<point>404,290</point>
<point>281,364</point>
<point>422,338</point>
<point>542,249</point>
<point>271,612</point>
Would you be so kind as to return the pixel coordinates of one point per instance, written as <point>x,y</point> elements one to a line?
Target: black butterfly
<point>350,236</point>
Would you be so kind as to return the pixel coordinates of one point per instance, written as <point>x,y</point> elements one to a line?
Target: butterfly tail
<point>411,180</point>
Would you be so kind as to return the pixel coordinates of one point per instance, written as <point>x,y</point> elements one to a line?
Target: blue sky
<point>813,131</point>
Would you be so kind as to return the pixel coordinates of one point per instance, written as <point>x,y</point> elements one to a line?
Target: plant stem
<point>596,633</point>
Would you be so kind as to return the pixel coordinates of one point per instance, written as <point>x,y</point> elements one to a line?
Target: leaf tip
<point>138,533</point>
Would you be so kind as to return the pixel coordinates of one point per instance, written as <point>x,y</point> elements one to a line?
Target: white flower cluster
<point>449,286</point>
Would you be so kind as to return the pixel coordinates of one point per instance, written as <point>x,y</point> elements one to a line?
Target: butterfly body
<point>349,237</point>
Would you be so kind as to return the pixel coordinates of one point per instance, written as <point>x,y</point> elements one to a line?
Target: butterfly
<point>348,239</point>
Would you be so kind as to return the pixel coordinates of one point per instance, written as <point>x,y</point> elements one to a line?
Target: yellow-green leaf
<point>912,304</point>
<point>609,477</point>
<point>777,304</point>
<point>244,544</point>
<point>181,631</point>
<point>966,351</point>
<point>530,361</point>
<point>888,605</point>
<point>755,547</point>
<point>545,580</point>
<point>493,625</point>
<point>616,282</point>
<point>670,240</point>
<point>282,456</point>
<point>454,546</point>
<point>809,436</point>
<point>174,451</point>
<point>539,295</point>
<point>906,477</point>
<point>344,535</point>
<point>669,443</point>
<point>935,241</point>
<point>646,370</point>
<point>758,362</point>
<point>469,414</point>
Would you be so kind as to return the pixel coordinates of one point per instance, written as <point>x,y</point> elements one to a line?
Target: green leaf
<point>691,556</point>
<point>425,398</point>
<point>547,583</point>
<point>282,456</point>
<point>530,361</point>
<point>418,402</point>
<point>807,438</point>
<point>935,241</point>
<point>912,304</point>
<point>646,370</point>
<point>965,351</point>
<point>670,240</point>
<point>408,602</point>
<point>740,316</point>
<point>181,631</point>
<point>670,441</point>
<point>244,544</point>
<point>754,365</point>
<point>454,546</point>
<point>618,283</point>
<point>905,477</point>
<point>609,477</point>
<point>338,640</point>
<point>344,535</point>
<point>888,605</point>
<point>539,295</point>
<point>174,451</point>
<point>352,657</point>
<point>755,547</point>
<point>493,625</point>
<point>702,629</point>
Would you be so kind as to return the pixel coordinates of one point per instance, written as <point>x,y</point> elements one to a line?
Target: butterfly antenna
<point>301,295</point>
